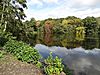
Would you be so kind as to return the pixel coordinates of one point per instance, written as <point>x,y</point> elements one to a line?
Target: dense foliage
<point>54,65</point>
<point>11,14</point>
<point>22,51</point>
<point>1,54</point>
<point>91,25</point>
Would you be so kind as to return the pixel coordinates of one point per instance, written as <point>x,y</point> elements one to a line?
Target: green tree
<point>91,24</point>
<point>72,20</point>
<point>10,10</point>
<point>98,21</point>
<point>11,14</point>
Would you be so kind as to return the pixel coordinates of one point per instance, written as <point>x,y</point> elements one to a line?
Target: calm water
<point>82,55</point>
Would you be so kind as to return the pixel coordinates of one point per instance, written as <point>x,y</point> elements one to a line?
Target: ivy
<point>22,51</point>
<point>54,66</point>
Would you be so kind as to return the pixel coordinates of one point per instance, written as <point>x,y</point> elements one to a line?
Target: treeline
<point>90,25</point>
<point>63,25</point>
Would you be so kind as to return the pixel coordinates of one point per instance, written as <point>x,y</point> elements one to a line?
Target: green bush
<point>22,51</point>
<point>4,37</point>
<point>54,66</point>
<point>2,41</point>
<point>1,54</point>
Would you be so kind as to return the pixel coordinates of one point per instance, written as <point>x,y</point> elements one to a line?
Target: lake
<point>82,55</point>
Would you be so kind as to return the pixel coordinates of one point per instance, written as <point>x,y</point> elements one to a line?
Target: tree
<point>98,22</point>
<point>91,24</point>
<point>48,26</point>
<point>11,16</point>
<point>72,20</point>
<point>10,10</point>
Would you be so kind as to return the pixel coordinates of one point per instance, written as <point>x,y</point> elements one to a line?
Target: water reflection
<point>68,41</point>
<point>48,40</point>
<point>79,53</point>
<point>90,43</point>
<point>83,62</point>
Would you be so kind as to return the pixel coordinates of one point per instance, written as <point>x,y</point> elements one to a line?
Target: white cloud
<point>85,2</point>
<point>88,12</point>
<point>40,2</point>
<point>65,9</point>
<point>51,1</point>
<point>71,2</point>
<point>88,2</point>
<point>33,2</point>
<point>61,13</point>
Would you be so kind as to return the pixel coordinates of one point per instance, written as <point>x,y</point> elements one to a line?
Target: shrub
<point>1,54</point>
<point>54,66</point>
<point>22,51</point>
<point>2,41</point>
<point>4,37</point>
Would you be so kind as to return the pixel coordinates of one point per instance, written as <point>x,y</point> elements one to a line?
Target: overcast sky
<point>42,9</point>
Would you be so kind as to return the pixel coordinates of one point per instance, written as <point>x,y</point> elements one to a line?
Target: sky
<point>43,9</point>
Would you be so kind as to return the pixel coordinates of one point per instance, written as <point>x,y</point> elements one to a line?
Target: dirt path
<point>9,65</point>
